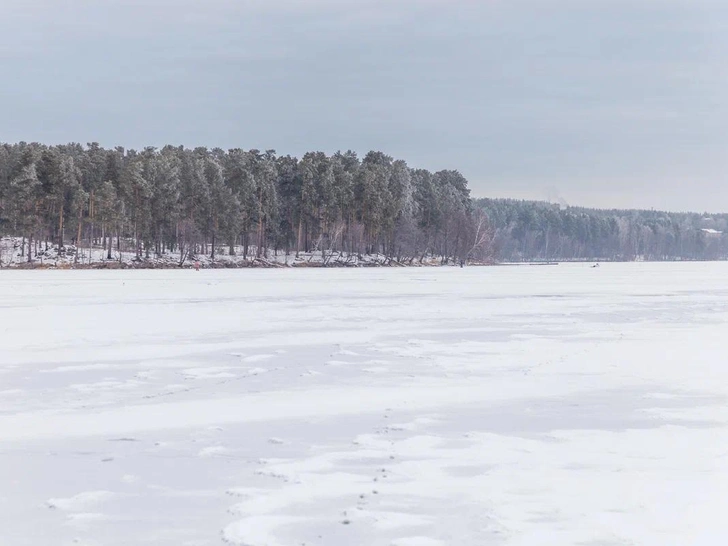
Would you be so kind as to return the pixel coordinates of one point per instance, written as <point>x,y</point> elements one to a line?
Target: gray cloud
<point>607,103</point>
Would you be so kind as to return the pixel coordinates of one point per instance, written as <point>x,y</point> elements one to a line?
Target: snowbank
<point>13,253</point>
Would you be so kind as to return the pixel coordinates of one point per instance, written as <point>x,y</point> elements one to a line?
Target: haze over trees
<point>531,230</point>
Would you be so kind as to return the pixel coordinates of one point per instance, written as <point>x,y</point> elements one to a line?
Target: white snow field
<point>558,405</point>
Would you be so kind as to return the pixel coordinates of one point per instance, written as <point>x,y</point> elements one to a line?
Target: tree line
<point>531,230</point>
<point>211,201</point>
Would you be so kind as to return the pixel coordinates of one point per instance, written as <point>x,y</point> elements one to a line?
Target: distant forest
<point>533,230</point>
<point>213,201</point>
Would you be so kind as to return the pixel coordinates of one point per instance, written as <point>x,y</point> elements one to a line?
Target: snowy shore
<point>13,254</point>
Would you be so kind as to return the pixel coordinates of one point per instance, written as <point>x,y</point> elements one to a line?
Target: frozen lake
<point>382,407</point>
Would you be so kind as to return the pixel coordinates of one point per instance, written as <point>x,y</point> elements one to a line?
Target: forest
<point>211,201</point>
<point>214,202</point>
<point>540,231</point>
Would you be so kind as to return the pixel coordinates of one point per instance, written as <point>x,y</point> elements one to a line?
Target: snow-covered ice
<point>391,407</point>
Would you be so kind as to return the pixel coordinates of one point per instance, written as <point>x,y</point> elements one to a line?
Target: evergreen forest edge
<point>210,201</point>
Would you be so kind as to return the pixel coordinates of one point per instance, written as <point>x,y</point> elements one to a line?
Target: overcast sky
<point>596,102</point>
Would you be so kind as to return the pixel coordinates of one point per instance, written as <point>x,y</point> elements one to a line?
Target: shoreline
<point>252,264</point>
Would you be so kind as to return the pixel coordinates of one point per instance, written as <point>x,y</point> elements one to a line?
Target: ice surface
<point>390,407</point>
